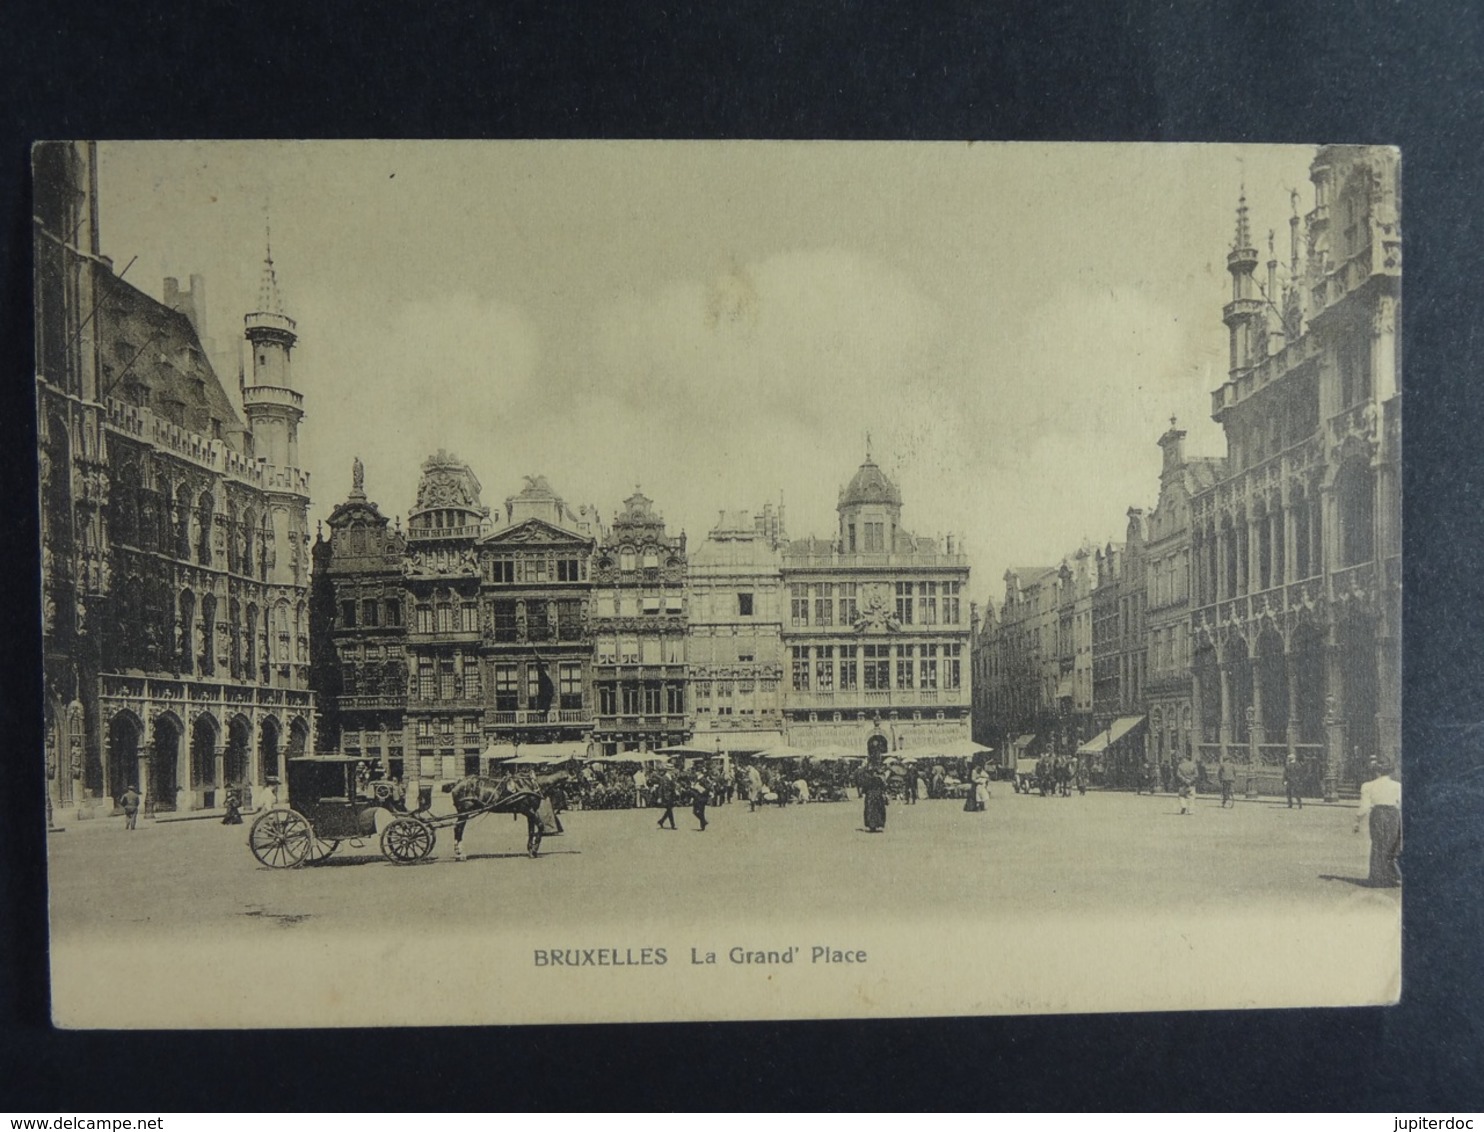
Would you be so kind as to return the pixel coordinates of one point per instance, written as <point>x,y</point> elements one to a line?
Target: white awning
<point>1096,745</point>
<point>737,742</point>
<point>1022,742</point>
<point>1122,726</point>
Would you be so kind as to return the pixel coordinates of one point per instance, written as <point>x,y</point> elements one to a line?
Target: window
<point>347,615</point>
<point>927,603</point>
<point>950,603</point>
<point>505,624</point>
<point>875,537</point>
<point>444,619</point>
<point>469,617</point>
<point>744,605</point>
<point>569,620</point>
<point>848,668</point>
<point>801,668</point>
<point>425,687</point>
<point>848,611</point>
<point>607,650</point>
<point>473,683</point>
<point>533,569</point>
<point>533,688</point>
<point>538,623</point>
<point>746,657</point>
<point>425,729</point>
<point>675,699</point>
<point>651,650</point>
<point>505,687</point>
<point>369,612</point>
<point>675,649</point>
<point>424,618</point>
<point>571,686</point>
<point>628,650</point>
<point>631,699</point>
<point>952,658</point>
<point>904,666</point>
<point>447,682</point>
<point>674,603</point>
<point>604,606</point>
<point>651,605</point>
<point>569,570</point>
<point>877,664</point>
<point>393,613</point>
<point>627,560</point>
<point>851,530</point>
<point>502,571</point>
<point>651,560</point>
<point>928,669</point>
<point>824,603</point>
<point>904,602</point>
<point>651,699</point>
<point>724,697</point>
<point>799,598</point>
<point>607,699</point>
<point>824,668</point>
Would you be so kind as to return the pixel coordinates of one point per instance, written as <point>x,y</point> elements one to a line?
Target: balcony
<point>908,698</point>
<point>557,717</point>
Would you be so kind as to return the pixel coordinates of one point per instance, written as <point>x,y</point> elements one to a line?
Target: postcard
<point>531,582</point>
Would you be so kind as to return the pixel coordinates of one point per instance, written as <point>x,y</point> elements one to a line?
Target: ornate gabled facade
<point>444,729</point>
<point>1295,619</point>
<point>174,544</point>
<point>1168,586</point>
<point>876,627</point>
<point>358,632</point>
<point>536,620</point>
<point>736,660</point>
<point>640,627</point>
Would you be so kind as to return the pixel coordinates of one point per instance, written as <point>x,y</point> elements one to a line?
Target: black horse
<point>478,794</point>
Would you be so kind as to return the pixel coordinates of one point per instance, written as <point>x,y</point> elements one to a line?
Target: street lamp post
<point>1252,753</point>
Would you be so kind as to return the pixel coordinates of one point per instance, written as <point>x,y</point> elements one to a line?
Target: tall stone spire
<point>270,301</point>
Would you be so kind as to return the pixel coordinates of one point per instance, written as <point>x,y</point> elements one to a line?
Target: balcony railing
<point>557,716</point>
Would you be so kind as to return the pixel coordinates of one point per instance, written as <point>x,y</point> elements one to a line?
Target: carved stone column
<point>1334,725</point>
<point>1226,729</point>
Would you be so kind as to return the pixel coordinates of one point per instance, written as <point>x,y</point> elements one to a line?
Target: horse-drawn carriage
<point>332,799</point>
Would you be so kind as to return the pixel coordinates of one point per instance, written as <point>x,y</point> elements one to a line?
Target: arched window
<point>186,645</point>
<point>1355,496</point>
<point>205,513</point>
<point>125,500</point>
<point>206,662</point>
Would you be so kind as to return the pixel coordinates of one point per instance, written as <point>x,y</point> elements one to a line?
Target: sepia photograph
<point>585,582</point>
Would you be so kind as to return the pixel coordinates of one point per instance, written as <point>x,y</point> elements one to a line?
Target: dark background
<point>1329,70</point>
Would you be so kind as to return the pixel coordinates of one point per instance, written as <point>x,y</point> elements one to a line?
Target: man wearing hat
<point>1293,784</point>
<point>129,803</point>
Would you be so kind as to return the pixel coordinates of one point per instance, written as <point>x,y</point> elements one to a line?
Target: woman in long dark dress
<point>873,790</point>
<point>1381,802</point>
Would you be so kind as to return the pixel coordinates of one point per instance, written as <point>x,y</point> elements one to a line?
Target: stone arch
<point>1355,508</point>
<point>1306,671</point>
<point>1272,683</point>
<point>298,737</point>
<point>236,769</point>
<point>206,661</point>
<point>270,741</point>
<point>204,520</point>
<point>125,734</point>
<point>164,760</point>
<point>204,732</point>
<point>1237,661</point>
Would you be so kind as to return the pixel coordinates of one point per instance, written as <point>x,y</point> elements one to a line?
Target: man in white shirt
<point>1381,802</point>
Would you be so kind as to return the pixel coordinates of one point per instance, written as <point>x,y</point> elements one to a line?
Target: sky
<point>724,323</point>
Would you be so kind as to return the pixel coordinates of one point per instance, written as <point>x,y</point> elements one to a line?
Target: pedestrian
<point>978,790</point>
<point>234,809</point>
<point>754,787</point>
<point>700,794</point>
<point>1227,776</point>
<point>129,803</point>
<point>1081,772</point>
<point>640,782</point>
<point>872,784</point>
<point>911,784</point>
<point>1293,782</point>
<point>662,790</point>
<point>1381,802</point>
<point>1186,775</point>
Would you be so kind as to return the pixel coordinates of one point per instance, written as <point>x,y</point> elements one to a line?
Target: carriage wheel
<point>407,840</point>
<point>323,849</point>
<point>281,839</point>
